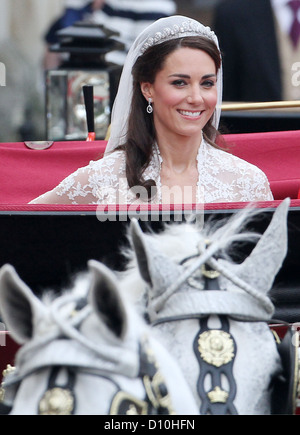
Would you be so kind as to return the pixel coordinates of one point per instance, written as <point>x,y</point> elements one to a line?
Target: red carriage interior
<point>26,173</point>
<point>46,241</point>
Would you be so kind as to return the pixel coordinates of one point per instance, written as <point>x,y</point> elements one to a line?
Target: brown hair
<point>141,134</point>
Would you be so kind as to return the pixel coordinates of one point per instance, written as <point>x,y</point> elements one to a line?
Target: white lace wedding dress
<point>223,177</point>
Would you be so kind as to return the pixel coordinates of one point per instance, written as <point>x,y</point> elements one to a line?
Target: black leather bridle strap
<point>216,400</point>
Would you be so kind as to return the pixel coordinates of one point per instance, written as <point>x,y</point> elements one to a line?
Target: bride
<point>162,148</point>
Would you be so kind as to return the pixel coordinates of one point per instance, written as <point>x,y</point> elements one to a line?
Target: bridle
<point>60,399</point>
<point>215,349</point>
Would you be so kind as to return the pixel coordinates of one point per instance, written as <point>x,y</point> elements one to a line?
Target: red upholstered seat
<point>276,153</point>
<point>26,173</point>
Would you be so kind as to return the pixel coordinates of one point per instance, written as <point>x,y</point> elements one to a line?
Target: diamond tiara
<point>186,29</point>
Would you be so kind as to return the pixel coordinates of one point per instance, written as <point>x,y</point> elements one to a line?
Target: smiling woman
<point>182,97</point>
<point>165,118</point>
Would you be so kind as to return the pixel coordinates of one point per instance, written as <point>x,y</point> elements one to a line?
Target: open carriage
<point>47,244</point>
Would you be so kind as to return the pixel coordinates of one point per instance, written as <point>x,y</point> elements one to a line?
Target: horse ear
<point>18,305</point>
<point>105,299</point>
<point>265,260</point>
<point>156,268</point>
<point>140,247</point>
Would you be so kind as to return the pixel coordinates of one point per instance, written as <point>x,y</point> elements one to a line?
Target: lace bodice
<point>223,177</point>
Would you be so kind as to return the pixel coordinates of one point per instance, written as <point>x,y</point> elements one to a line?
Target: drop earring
<point>149,107</point>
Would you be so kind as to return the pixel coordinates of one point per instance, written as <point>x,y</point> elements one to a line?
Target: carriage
<point>48,244</point>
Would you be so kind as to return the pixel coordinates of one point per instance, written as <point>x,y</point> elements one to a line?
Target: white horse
<point>86,352</point>
<point>212,313</point>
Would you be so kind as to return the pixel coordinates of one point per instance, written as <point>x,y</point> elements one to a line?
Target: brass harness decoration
<point>215,350</point>
<point>216,347</point>
<point>157,400</point>
<point>57,401</point>
<point>60,400</point>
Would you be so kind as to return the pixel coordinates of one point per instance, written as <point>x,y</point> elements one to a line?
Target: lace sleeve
<point>261,188</point>
<point>93,184</point>
<point>252,184</point>
<point>227,178</point>
<point>75,189</point>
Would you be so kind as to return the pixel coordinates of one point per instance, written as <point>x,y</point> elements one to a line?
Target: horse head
<point>86,351</point>
<point>167,273</point>
<point>191,282</point>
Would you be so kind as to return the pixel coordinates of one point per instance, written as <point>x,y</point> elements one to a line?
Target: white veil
<point>161,30</point>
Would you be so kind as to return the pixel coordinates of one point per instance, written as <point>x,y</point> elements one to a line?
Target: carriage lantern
<point>84,46</point>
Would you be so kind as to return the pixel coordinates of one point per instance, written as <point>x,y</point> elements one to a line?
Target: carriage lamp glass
<point>65,109</point>
<point>83,47</point>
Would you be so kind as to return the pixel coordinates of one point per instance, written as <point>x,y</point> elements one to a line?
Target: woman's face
<point>184,93</point>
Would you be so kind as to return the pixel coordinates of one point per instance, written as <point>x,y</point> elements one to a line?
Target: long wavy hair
<point>141,134</point>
